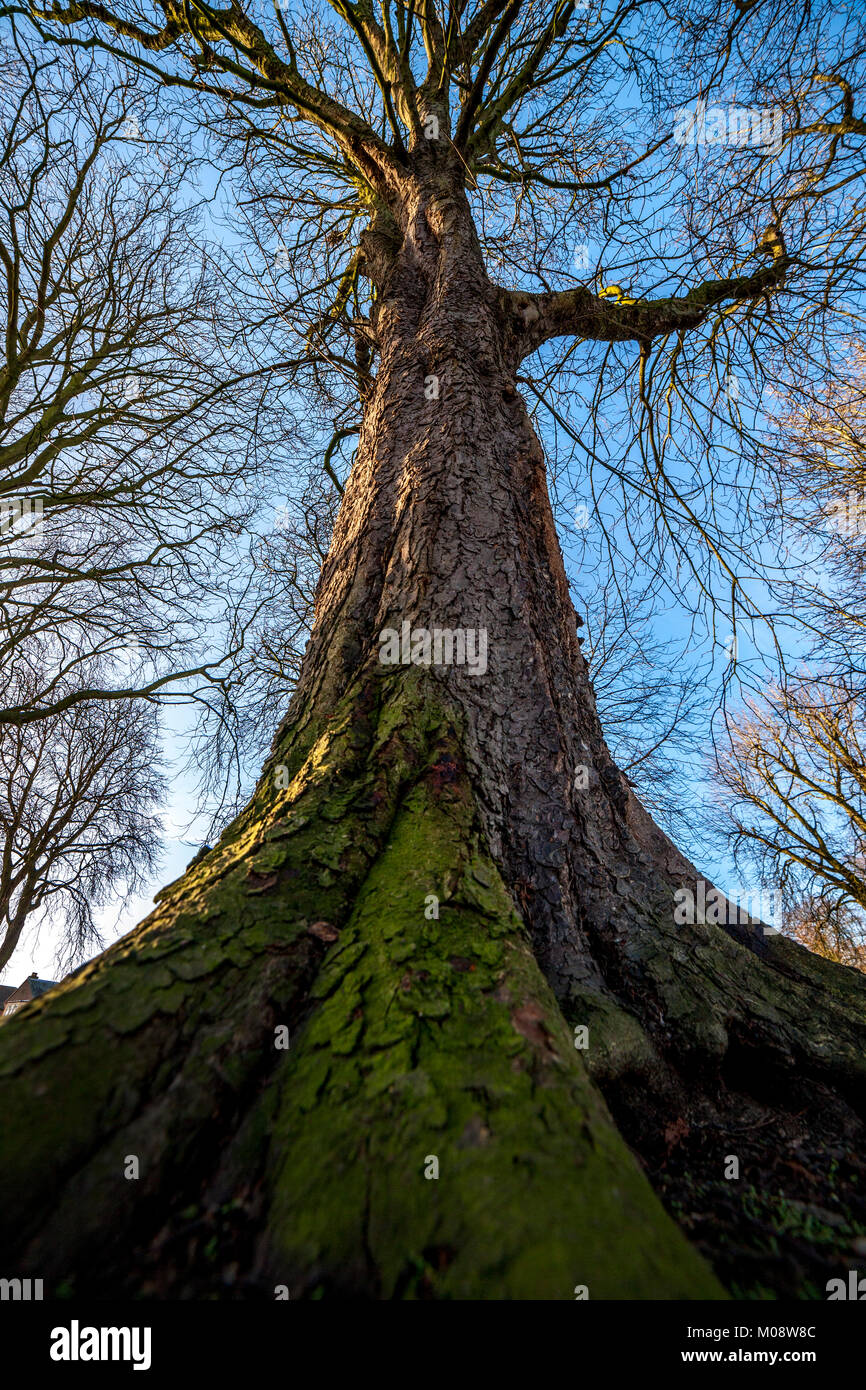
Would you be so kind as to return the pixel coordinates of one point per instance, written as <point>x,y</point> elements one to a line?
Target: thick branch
<point>614,317</point>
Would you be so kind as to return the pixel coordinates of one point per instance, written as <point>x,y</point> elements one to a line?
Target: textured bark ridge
<point>414,1037</point>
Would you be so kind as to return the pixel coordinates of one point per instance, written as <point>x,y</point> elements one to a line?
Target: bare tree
<point>795,772</point>
<point>793,765</point>
<point>127,399</point>
<point>442,878</point>
<point>128,479</point>
<point>819,451</point>
<point>830,928</point>
<point>78,796</point>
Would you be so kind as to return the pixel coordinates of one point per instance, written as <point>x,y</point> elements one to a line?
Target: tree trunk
<point>441,881</point>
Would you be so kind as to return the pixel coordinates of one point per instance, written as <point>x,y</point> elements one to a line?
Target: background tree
<point>135,453</point>
<point>126,472</point>
<point>424,178</point>
<point>78,794</point>
<point>831,928</point>
<point>796,775</point>
<point>792,764</point>
<point>820,455</point>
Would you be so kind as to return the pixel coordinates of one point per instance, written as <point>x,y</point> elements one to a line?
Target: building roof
<point>38,987</point>
<point>32,987</point>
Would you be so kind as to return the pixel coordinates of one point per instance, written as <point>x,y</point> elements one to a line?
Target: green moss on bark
<point>410,1037</point>
<point>440,1039</point>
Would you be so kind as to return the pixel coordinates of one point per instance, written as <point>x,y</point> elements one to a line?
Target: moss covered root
<point>437,1134</point>
<point>415,1040</point>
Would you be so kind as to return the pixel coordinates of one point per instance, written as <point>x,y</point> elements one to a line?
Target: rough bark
<point>453,1037</point>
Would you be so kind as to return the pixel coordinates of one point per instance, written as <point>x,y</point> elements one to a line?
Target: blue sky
<point>697,647</point>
